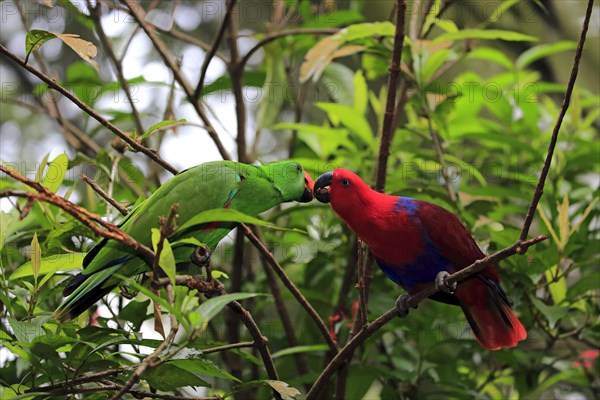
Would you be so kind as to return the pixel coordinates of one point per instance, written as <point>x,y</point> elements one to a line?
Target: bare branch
<point>387,130</point>
<point>214,48</point>
<point>333,346</point>
<point>104,195</point>
<point>539,190</point>
<point>91,220</point>
<point>88,110</point>
<point>138,13</point>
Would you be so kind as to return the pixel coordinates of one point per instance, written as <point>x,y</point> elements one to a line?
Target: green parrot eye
<point>298,168</point>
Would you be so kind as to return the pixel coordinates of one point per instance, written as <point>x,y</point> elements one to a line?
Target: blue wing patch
<point>423,270</point>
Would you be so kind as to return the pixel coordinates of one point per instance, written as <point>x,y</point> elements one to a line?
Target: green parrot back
<point>220,184</point>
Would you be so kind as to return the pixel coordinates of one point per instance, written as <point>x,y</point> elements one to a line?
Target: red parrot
<point>416,243</point>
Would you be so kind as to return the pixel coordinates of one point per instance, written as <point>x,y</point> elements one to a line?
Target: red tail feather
<point>493,322</point>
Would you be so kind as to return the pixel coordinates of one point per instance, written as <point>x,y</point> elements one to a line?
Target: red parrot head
<point>343,189</point>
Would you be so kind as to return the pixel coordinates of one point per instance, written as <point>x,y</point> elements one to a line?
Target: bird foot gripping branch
<point>442,285</point>
<point>402,305</point>
<point>210,287</point>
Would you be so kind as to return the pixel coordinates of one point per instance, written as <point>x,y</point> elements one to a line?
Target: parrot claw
<point>201,256</point>
<point>442,285</point>
<point>402,306</point>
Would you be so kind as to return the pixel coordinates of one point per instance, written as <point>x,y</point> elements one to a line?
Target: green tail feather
<point>83,297</point>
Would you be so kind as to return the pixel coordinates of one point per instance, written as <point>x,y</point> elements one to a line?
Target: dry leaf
<point>83,48</point>
<point>286,391</point>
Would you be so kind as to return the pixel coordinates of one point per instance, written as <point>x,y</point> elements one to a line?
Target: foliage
<point>493,111</point>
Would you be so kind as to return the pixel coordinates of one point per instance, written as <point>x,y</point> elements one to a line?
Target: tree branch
<point>95,13</point>
<point>387,130</point>
<point>236,71</point>
<point>539,190</point>
<point>91,220</point>
<point>138,13</point>
<point>96,188</point>
<point>88,110</point>
<point>333,346</point>
<point>210,53</point>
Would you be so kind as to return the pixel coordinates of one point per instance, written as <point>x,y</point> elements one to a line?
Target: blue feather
<point>423,270</point>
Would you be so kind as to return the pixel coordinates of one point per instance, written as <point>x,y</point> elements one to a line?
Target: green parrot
<point>247,188</point>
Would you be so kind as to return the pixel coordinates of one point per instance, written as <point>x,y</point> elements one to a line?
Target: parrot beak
<point>322,187</point>
<point>309,184</point>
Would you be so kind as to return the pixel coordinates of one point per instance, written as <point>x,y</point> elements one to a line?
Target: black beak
<point>322,187</point>
<point>307,195</point>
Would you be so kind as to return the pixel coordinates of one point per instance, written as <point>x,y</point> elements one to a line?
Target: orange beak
<point>309,186</point>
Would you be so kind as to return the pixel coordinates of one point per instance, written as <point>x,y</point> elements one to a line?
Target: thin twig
<point>387,130</point>
<point>236,72</point>
<point>435,138</point>
<point>284,314</point>
<point>260,341</point>
<point>138,13</point>
<point>104,195</point>
<point>214,48</point>
<point>539,190</point>
<point>226,347</point>
<point>95,13</point>
<point>333,346</point>
<point>88,110</point>
<point>177,34</point>
<point>519,247</point>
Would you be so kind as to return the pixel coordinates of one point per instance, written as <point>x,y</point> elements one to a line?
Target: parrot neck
<point>386,223</point>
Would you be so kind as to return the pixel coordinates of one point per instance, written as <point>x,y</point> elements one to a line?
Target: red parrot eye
<point>345,182</point>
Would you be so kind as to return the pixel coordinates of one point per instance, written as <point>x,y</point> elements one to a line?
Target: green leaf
<point>50,264</point>
<point>365,30</point>
<point>300,349</point>
<point>548,224</point>
<point>169,377</point>
<point>161,124</point>
<point>36,256</point>
<point>203,366</point>
<point>34,39</point>
<point>135,312</point>
<point>347,116</point>
<point>212,307</point>
<point>323,140</point>
<point>491,54</point>
<point>491,34</point>
<point>5,220</point>
<point>558,288</point>
<point>218,274</point>
<point>223,83</point>
<point>26,331</point>
<point>533,54</point>
<point>552,313</point>
<point>226,215</point>
<point>564,224</point>
<point>166,259</point>
<point>360,93</point>
<point>55,172</point>
<point>588,283</point>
